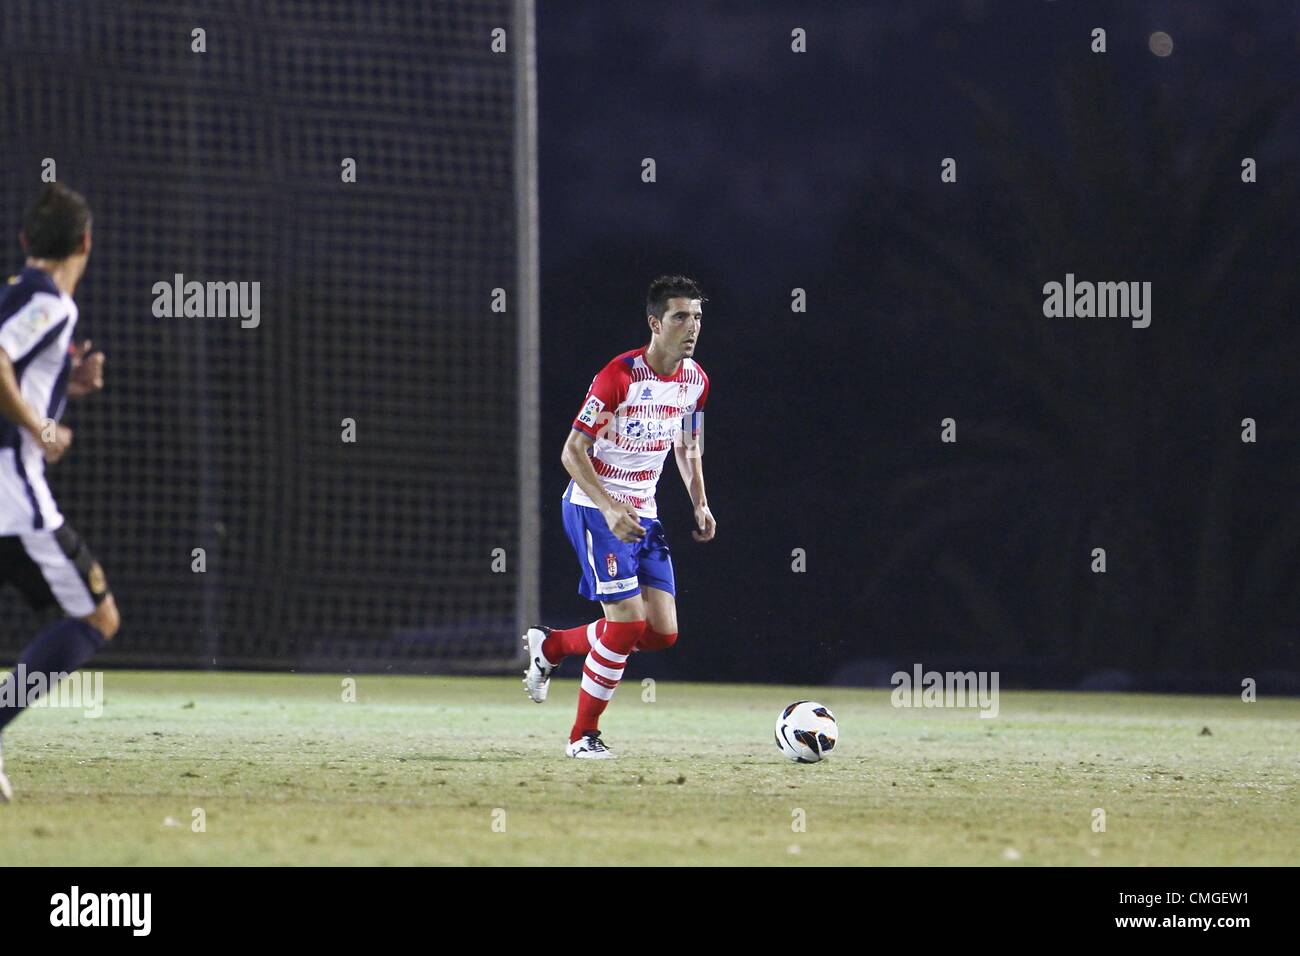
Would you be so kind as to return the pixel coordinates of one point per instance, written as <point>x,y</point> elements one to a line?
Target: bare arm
<point>15,408</point>
<point>576,458</point>
<point>690,463</point>
<point>620,516</point>
<point>12,404</point>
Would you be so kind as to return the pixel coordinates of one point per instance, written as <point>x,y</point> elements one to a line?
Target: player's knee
<point>627,611</point>
<point>105,618</point>
<point>662,641</point>
<point>663,627</point>
<point>620,637</point>
<point>654,640</point>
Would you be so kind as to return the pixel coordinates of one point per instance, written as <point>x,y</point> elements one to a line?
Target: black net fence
<point>345,459</point>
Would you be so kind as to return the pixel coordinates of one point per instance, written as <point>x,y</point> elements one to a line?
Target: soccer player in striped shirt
<point>632,415</point>
<point>40,368</point>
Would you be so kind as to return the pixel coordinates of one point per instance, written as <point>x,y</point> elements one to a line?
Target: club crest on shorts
<point>611,564</point>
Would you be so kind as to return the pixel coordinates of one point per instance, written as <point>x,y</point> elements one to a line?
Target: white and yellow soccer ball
<point>806,731</point>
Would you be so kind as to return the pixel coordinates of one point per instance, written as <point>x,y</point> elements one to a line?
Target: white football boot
<point>6,791</point>
<point>589,747</point>
<point>537,679</point>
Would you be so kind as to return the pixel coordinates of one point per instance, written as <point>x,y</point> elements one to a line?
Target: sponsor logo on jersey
<point>655,429</point>
<point>646,394</point>
<point>590,411</point>
<point>38,319</point>
<point>611,564</point>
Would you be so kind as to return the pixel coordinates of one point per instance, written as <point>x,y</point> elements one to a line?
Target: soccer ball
<point>806,731</point>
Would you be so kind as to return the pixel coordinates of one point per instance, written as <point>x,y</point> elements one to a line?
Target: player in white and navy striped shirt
<point>40,368</point>
<point>633,414</point>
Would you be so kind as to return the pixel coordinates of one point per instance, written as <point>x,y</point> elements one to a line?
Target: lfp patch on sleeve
<point>590,411</point>
<point>24,329</point>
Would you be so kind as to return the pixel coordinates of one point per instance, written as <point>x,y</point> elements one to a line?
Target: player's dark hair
<point>670,287</point>
<point>55,222</point>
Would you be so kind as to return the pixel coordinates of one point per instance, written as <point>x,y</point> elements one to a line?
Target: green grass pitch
<point>468,771</point>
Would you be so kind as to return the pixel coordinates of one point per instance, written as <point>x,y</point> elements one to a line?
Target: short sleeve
<point>697,418</point>
<point>603,398</point>
<point>31,326</point>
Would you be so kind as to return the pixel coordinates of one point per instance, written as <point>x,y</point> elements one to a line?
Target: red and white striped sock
<point>576,640</point>
<point>602,671</point>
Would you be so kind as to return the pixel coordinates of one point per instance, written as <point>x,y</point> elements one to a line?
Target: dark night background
<point>821,171</point>
<point>776,171</point>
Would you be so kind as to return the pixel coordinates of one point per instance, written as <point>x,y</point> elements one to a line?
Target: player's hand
<point>55,442</point>
<point>705,526</point>
<point>624,523</point>
<point>87,370</point>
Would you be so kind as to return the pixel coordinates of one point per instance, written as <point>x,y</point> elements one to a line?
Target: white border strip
<point>527,561</point>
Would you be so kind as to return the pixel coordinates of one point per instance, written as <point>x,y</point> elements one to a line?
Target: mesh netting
<point>374,306</point>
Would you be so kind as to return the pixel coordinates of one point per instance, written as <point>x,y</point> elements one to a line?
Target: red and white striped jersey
<point>635,415</point>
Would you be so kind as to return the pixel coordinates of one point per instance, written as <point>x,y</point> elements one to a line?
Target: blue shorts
<point>613,570</point>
